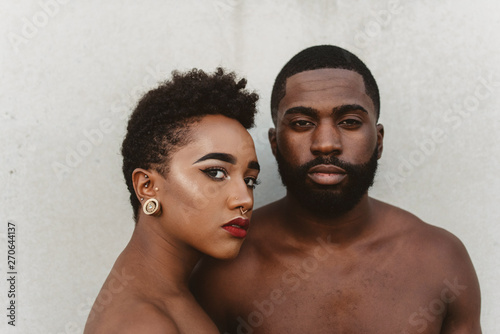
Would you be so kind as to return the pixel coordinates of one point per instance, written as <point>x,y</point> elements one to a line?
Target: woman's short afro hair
<point>323,56</point>
<point>160,122</point>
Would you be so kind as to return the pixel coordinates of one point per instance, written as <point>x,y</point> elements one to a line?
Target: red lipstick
<point>326,174</point>
<point>237,227</point>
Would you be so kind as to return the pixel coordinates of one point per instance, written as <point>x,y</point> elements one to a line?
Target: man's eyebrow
<point>301,110</point>
<point>347,108</point>
<point>311,112</point>
<point>254,165</point>
<point>218,156</point>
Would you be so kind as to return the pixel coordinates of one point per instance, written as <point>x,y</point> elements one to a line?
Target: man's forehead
<point>325,88</point>
<point>325,78</point>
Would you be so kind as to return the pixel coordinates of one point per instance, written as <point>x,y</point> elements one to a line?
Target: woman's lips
<point>326,174</point>
<point>237,227</point>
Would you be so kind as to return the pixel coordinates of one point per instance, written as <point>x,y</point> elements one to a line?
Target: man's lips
<point>237,227</point>
<point>326,174</point>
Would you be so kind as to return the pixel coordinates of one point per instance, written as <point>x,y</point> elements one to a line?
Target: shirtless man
<point>327,258</point>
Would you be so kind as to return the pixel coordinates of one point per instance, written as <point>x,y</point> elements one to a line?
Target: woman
<point>190,166</point>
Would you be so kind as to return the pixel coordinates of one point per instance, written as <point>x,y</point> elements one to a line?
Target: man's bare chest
<point>314,297</point>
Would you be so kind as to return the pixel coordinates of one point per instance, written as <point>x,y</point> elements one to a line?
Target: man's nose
<point>326,140</point>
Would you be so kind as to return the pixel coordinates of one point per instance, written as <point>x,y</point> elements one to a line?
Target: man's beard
<point>328,201</point>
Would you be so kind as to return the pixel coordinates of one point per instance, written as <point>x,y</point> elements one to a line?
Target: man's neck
<point>341,230</point>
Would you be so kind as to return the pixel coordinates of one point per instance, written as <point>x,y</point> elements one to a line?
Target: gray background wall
<point>72,70</point>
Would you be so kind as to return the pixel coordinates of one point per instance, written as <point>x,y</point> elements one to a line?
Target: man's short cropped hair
<point>323,56</point>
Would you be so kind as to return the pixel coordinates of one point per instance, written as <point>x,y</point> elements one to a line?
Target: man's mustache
<point>327,160</point>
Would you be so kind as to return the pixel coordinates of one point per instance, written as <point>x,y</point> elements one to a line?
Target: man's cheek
<point>358,154</point>
<point>292,149</point>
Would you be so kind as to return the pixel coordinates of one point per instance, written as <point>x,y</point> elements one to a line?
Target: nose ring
<point>243,212</point>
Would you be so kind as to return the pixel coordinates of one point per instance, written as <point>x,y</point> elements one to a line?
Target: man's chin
<point>322,198</point>
<point>323,188</point>
<point>323,203</point>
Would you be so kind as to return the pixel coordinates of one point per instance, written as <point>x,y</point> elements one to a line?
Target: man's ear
<point>272,140</point>
<point>144,184</point>
<point>380,139</point>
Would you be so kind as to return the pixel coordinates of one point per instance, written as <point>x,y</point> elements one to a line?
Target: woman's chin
<point>227,254</point>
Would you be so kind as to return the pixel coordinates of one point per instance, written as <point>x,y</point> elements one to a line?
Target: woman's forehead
<point>218,134</point>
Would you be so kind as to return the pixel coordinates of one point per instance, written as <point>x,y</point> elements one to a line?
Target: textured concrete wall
<point>72,70</point>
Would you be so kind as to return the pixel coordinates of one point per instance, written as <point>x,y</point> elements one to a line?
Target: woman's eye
<point>216,173</point>
<point>251,182</point>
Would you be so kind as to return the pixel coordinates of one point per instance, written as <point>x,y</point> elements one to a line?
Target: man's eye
<point>350,122</point>
<point>302,123</point>
<point>218,174</point>
<point>251,182</point>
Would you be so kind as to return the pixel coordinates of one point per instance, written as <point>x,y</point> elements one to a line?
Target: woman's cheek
<point>196,194</point>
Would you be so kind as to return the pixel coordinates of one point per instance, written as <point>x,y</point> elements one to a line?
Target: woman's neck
<point>159,260</point>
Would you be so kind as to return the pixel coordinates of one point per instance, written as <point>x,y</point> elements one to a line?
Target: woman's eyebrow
<point>254,165</point>
<point>218,156</point>
<point>227,158</point>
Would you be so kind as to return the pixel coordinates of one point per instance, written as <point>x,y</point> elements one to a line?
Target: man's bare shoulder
<point>393,223</point>
<point>135,317</point>
<point>439,259</point>
<point>404,225</point>
<point>425,245</point>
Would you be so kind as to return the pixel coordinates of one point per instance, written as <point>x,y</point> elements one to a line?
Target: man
<point>327,258</point>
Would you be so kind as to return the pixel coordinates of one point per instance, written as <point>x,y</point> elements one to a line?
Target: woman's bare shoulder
<point>142,317</point>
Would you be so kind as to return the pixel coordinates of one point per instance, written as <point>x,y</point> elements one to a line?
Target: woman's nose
<point>241,197</point>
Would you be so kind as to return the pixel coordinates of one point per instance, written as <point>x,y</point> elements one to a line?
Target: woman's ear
<point>144,184</point>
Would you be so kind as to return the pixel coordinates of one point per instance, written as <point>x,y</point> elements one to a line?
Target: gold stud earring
<point>152,207</point>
